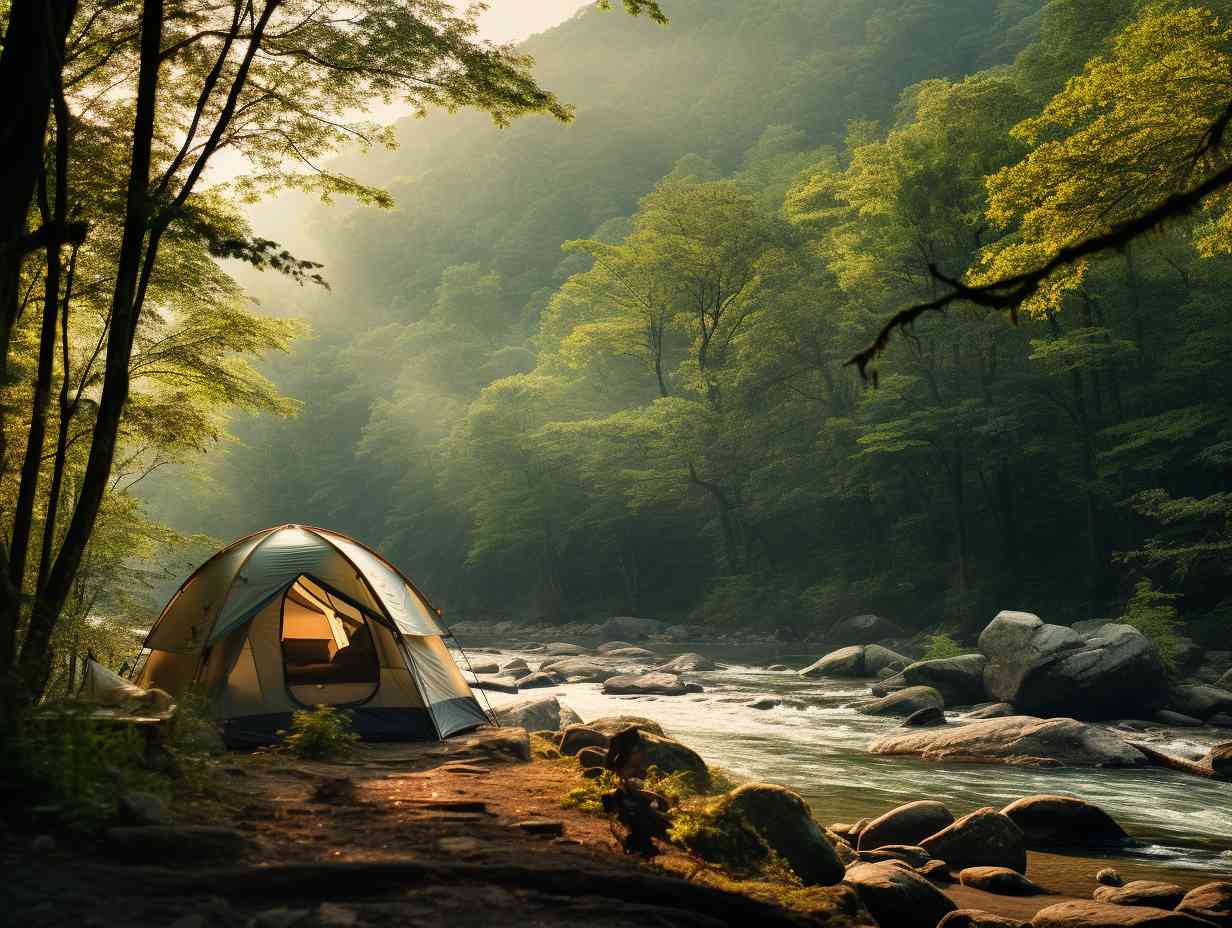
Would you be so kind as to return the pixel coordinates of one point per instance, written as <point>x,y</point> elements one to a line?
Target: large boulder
<point>1050,821</point>
<point>539,680</point>
<point>1001,881</point>
<point>1200,701</point>
<point>611,724</point>
<point>785,823</point>
<point>481,666</point>
<point>580,668</point>
<point>670,756</point>
<point>897,895</point>
<point>878,659</point>
<point>864,629</point>
<point>959,680</point>
<point>542,713</point>
<point>1016,739</point>
<point>1050,670</point>
<point>905,702</point>
<point>631,654</point>
<point>687,663</point>
<point>1211,901</point>
<point>645,684</point>
<point>996,710</point>
<point>576,737</point>
<point>845,662</point>
<point>1080,914</point>
<point>907,824</point>
<point>631,628</point>
<point>1141,892</point>
<point>983,838</point>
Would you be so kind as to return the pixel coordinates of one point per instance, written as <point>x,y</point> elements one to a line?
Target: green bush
<point>717,834</point>
<point>942,645</point>
<point>320,733</point>
<point>1151,612</point>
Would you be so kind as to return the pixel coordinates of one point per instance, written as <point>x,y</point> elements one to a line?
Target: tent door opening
<point>329,656</point>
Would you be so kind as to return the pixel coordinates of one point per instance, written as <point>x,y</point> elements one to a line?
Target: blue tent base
<point>370,723</point>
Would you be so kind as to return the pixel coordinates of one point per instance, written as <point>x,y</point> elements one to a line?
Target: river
<point>1180,822</point>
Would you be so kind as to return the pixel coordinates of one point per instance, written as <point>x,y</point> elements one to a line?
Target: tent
<point>297,616</point>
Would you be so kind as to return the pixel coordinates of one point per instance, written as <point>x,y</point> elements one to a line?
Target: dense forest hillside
<point>656,417</point>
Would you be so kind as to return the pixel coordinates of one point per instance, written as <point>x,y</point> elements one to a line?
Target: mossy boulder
<point>785,823</point>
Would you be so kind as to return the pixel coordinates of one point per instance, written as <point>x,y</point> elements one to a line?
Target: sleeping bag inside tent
<point>296,616</point>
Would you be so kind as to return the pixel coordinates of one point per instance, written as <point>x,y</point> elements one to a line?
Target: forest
<point>574,370</point>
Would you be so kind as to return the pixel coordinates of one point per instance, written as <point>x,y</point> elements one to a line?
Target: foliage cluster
<point>1152,612</point>
<point>942,645</point>
<point>320,733</point>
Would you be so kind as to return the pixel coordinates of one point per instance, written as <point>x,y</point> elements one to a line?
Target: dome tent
<point>297,616</point>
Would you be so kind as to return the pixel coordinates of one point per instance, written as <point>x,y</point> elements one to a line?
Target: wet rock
<point>586,669</point>
<point>1211,901</point>
<point>140,808</point>
<point>630,628</point>
<point>592,758</point>
<point>846,831</point>
<point>925,718</point>
<point>1177,719</point>
<point>779,668</point>
<point>905,702</point>
<point>537,713</point>
<point>576,737</point>
<point>938,871</point>
<point>864,629</point>
<point>766,702</point>
<point>897,895</point>
<point>611,724</point>
<point>997,710</point>
<point>785,823</point>
<point>496,684</point>
<point>166,844</point>
<point>878,659</point>
<point>563,649</point>
<point>1013,643</point>
<point>516,664</point>
<point>1081,914</point>
<point>1225,682</point>
<point>907,824</point>
<point>1109,877</point>
<point>1061,821</point>
<point>983,838</point>
<point>614,646</point>
<point>890,683</point>
<point>1016,739</point>
<point>1219,759</point>
<point>999,880</point>
<point>959,680</point>
<point>1141,892</point>
<point>694,688</point>
<point>631,653</point>
<point>539,680</point>
<point>478,667</point>
<point>845,662</point>
<point>1200,701</point>
<point>687,663</point>
<point>671,756</point>
<point>646,684</point>
<point>913,856</point>
<point>975,918</point>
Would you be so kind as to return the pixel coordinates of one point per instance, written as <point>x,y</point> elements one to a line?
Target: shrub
<point>1151,612</point>
<point>320,733</point>
<point>942,645</point>
<point>719,835</point>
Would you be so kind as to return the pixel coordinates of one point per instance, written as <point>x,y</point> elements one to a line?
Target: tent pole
<point>462,651</point>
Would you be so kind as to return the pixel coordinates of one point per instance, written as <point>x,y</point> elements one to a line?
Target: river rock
<point>539,680</point>
<point>878,659</point>
<point>785,823</point>
<point>670,756</point>
<point>516,664</point>
<point>845,662</point>
<point>913,856</point>
<point>1199,700</point>
<point>1049,821</point>
<point>608,646</point>
<point>975,918</point>
<point>984,837</point>
<point>925,718</point>
<point>687,663</point>
<point>1141,892</point>
<point>592,758</point>
<point>1109,877</point>
<point>645,684</point>
<point>576,737</point>
<point>538,713</point>
<point>1081,914</point>
<point>896,895</point>
<point>584,669</point>
<point>959,680</point>
<point>1211,901</point>
<point>999,880</point>
<point>640,654</point>
<point>612,724</point>
<point>478,667</point>
<point>631,628</point>
<point>496,684</point>
<point>997,710</point>
<point>1177,719</point>
<point>778,668</point>
<point>890,683</point>
<point>763,703</point>
<point>1017,739</point>
<point>1220,720</point>
<point>864,629</point>
<point>1219,759</point>
<point>905,702</point>
<point>907,824</point>
<point>938,871</point>
<point>563,649</point>
<point>1050,670</point>
<point>1225,682</point>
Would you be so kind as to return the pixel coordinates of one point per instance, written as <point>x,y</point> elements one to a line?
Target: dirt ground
<point>467,832</point>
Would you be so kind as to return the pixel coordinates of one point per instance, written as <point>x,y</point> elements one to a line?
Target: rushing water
<point>1178,821</point>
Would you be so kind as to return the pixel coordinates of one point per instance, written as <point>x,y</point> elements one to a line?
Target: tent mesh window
<point>328,653</point>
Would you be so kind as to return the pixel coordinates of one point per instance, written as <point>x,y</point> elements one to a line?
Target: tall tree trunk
<point>33,664</point>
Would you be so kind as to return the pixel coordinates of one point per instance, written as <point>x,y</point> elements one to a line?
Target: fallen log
<point>1160,759</point>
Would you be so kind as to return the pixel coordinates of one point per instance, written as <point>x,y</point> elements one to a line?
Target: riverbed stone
<point>845,662</point>
<point>585,669</point>
<point>938,871</point>
<point>1049,821</point>
<point>785,823</point>
<point>1109,877</point>
<point>536,713</point>
<point>905,702</point>
<point>1177,719</point>
<point>896,895</point>
<point>906,824</point>
<point>1211,901</point>
<point>632,653</point>
<point>1219,759</point>
<point>1081,914</point>
<point>1141,892</point>
<point>864,629</point>
<point>977,918</point>
<point>576,737</point>
<point>611,724</point>
<point>670,756</point>
<point>960,680</point>
<point>495,684</point>
<point>645,684</point>
<point>1199,700</point>
<point>878,659</point>
<point>1001,881</point>
<point>1225,682</point>
<point>540,680</point>
<point>910,854</point>
<point>997,710</point>
<point>687,663</point>
<point>592,758</point>
<point>984,837</point>
<point>631,628</point>
<point>482,666</point>
<point>1017,739</point>
<point>516,663</point>
<point>563,649</point>
<point>608,646</point>
<point>925,718</point>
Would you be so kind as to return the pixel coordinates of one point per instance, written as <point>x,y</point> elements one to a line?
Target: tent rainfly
<point>297,616</point>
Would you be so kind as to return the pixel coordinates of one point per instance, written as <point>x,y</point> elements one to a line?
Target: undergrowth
<point>940,646</point>
<point>320,733</point>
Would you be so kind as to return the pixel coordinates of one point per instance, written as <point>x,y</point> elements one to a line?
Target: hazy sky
<point>511,20</point>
